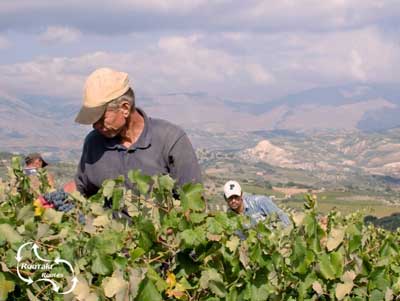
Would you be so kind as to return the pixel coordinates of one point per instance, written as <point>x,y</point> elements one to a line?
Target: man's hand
<point>70,187</point>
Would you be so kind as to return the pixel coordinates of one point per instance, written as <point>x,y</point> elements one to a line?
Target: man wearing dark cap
<point>33,162</point>
<point>125,138</point>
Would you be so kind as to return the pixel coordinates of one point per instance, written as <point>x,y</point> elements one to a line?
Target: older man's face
<point>111,123</point>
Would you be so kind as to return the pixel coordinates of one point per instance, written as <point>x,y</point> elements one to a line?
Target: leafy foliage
<point>174,249</point>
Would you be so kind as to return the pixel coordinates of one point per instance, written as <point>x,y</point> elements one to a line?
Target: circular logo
<point>46,266</point>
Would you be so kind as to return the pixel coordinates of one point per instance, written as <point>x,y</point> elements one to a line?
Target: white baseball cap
<point>232,188</point>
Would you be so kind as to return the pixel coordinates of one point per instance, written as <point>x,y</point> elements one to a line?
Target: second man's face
<point>235,203</point>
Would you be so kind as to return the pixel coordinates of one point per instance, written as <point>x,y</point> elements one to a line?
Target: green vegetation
<point>346,202</point>
<point>173,250</point>
<point>253,189</point>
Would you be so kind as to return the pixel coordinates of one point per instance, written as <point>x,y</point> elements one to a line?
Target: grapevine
<point>174,249</point>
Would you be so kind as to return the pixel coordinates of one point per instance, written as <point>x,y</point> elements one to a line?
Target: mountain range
<point>46,124</point>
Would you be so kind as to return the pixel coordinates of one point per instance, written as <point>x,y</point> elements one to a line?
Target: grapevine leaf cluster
<point>146,244</point>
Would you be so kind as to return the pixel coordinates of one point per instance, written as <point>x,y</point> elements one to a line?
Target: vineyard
<point>174,249</point>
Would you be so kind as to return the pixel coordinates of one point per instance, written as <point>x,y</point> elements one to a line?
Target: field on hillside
<point>286,186</point>
<point>343,201</point>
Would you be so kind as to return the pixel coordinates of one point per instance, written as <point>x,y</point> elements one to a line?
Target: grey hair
<point>128,96</point>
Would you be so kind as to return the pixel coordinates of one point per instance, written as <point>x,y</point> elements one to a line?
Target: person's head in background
<point>234,196</point>
<point>35,160</point>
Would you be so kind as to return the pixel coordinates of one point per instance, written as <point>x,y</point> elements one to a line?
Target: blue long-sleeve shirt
<point>258,207</point>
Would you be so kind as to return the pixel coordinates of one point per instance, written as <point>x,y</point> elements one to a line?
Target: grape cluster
<point>82,219</point>
<point>60,200</point>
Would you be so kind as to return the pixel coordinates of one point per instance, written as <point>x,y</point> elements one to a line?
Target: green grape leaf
<point>9,233</point>
<point>142,181</point>
<point>148,291</point>
<point>117,198</point>
<point>102,265</point>
<point>52,216</point>
<point>155,278</point>
<point>5,287</point>
<point>108,188</point>
<point>326,268</point>
<point>191,197</point>
<point>377,295</point>
<point>211,279</point>
<point>136,253</point>
<point>337,263</point>
<point>193,237</point>
<point>166,183</point>
<point>25,212</point>
<point>213,226</point>
<point>197,218</point>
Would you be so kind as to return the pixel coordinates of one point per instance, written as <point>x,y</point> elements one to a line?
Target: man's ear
<point>126,108</point>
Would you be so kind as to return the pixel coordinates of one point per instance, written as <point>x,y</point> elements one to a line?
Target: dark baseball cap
<point>34,156</point>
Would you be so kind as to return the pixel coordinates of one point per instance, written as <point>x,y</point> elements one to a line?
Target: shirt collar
<point>144,140</point>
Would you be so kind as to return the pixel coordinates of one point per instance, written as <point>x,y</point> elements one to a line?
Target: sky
<point>245,51</point>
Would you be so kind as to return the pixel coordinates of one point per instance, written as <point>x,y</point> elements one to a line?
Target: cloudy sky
<point>249,50</point>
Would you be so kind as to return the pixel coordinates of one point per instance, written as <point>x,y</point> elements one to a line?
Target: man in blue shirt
<point>257,207</point>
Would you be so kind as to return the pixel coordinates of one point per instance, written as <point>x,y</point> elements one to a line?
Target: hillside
<point>40,123</point>
<point>377,154</point>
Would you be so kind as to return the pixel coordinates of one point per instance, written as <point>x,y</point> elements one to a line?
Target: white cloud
<point>170,6</point>
<point>243,66</point>
<point>259,74</point>
<point>329,58</point>
<point>60,76</point>
<point>199,67</point>
<point>4,42</point>
<point>56,34</point>
<point>356,66</point>
<point>174,64</point>
<point>316,14</point>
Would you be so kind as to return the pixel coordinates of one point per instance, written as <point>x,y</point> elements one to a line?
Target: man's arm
<point>80,178</point>
<point>182,162</point>
<point>50,179</point>
<point>267,206</point>
<point>83,185</point>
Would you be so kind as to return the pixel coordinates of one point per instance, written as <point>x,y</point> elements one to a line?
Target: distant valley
<point>333,132</point>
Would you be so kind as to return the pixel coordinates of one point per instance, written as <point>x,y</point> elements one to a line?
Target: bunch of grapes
<point>82,219</point>
<point>59,199</point>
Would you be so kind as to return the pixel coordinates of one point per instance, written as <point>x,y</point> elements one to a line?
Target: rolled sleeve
<point>269,207</point>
